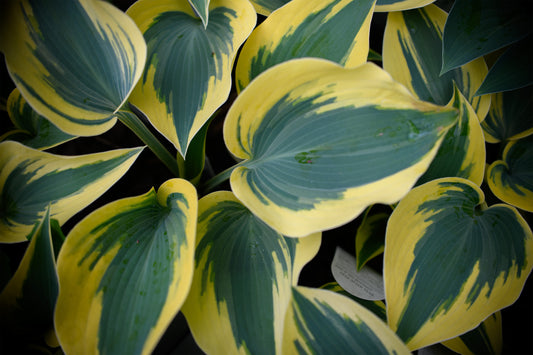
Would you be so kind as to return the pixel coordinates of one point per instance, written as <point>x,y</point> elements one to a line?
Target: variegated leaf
<point>487,338</point>
<point>32,129</point>
<point>74,61</point>
<point>450,261</point>
<point>265,7</point>
<point>376,307</point>
<point>412,49</point>
<point>188,71</point>
<point>400,5</point>
<point>242,280</point>
<point>370,237</point>
<point>201,9</point>
<point>337,30</point>
<point>31,180</point>
<point>125,270</point>
<point>326,141</point>
<point>511,179</point>
<point>324,322</point>
<point>462,153</point>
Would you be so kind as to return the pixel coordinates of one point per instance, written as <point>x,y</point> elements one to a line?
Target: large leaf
<point>28,300</point>
<point>400,5</point>
<point>478,27</point>
<point>125,270</point>
<point>511,179</point>
<point>32,129</point>
<point>326,141</point>
<point>462,153</point>
<point>412,48</point>
<point>485,339</point>
<point>337,30</point>
<point>188,70</point>
<point>512,70</point>
<point>450,261</point>
<point>242,280</point>
<point>510,116</point>
<point>324,322</point>
<point>74,61</point>
<point>31,179</point>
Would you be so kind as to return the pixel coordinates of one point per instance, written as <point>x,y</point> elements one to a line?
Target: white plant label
<point>366,283</point>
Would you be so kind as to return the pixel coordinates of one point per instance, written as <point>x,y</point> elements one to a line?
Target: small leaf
<point>412,48</point>
<point>370,237</point>
<point>178,92</point>
<point>324,322</point>
<point>511,179</point>
<point>400,5</point>
<point>337,30</point>
<point>266,7</point>
<point>74,61</point>
<point>450,261</point>
<point>510,116</point>
<point>478,27</point>
<point>512,70</point>
<point>28,300</point>
<point>242,280</point>
<point>462,153</point>
<point>32,129</point>
<point>31,180</point>
<point>201,9</point>
<point>125,270</point>
<point>326,142</point>
<point>485,339</point>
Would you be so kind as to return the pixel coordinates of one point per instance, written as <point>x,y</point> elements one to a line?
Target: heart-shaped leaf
<point>188,70</point>
<point>242,280</point>
<point>31,180</point>
<point>412,49</point>
<point>450,261</point>
<point>337,30</point>
<point>74,61</point>
<point>32,129</point>
<point>326,141</point>
<point>511,179</point>
<point>125,270</point>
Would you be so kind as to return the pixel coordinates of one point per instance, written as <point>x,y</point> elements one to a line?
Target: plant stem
<point>137,126</point>
<point>216,180</point>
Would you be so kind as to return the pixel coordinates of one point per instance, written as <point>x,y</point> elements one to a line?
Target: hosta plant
<point>182,163</point>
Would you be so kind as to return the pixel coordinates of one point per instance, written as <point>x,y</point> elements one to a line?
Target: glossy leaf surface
<point>32,129</point>
<point>462,153</point>
<point>323,322</point>
<point>28,300</point>
<point>31,179</point>
<point>510,116</point>
<point>337,30</point>
<point>512,70</point>
<point>178,92</point>
<point>242,280</point>
<point>326,141</point>
<point>487,338</point>
<point>125,270</point>
<point>74,61</point>
<point>450,261</point>
<point>412,48</point>
<point>511,179</point>
<point>478,27</point>
<point>400,5</point>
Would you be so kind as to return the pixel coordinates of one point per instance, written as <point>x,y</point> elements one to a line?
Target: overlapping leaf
<point>28,300</point>
<point>450,261</point>
<point>242,280</point>
<point>511,179</point>
<point>337,30</point>
<point>400,5</point>
<point>478,27</point>
<point>412,49</point>
<point>323,322</point>
<point>326,141</point>
<point>32,129</point>
<point>125,270</point>
<point>510,116</point>
<point>487,338</point>
<point>188,71</point>
<point>462,153</point>
<point>31,179</point>
<point>376,307</point>
<point>74,61</point>
<point>265,7</point>
<point>370,237</point>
